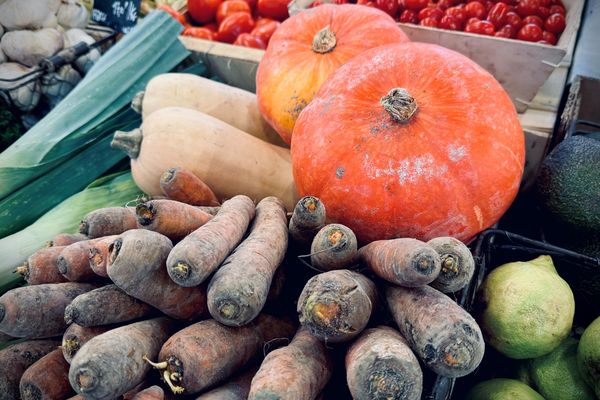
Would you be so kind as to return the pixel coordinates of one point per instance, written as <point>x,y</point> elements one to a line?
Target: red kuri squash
<point>307,48</point>
<point>410,140</point>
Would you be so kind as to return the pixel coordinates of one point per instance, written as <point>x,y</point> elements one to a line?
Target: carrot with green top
<point>76,336</point>
<point>207,352</point>
<point>108,221</point>
<point>407,262</point>
<point>73,262</point>
<point>381,365</point>
<point>17,358</point>
<point>297,371</point>
<point>337,305</point>
<point>113,363</point>
<point>42,267</point>
<point>200,253</point>
<point>307,219</point>
<point>333,247</point>
<point>182,185</point>
<point>238,290</point>
<point>136,264</point>
<point>458,265</point>
<point>171,218</point>
<point>38,311</point>
<point>65,239</point>
<point>106,305</point>
<point>98,254</point>
<point>47,379</point>
<point>236,388</point>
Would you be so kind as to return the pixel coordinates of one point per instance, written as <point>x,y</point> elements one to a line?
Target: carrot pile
<point>239,299</point>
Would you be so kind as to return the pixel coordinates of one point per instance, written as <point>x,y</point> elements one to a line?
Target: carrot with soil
<point>42,267</point>
<point>442,334</point>
<point>47,379</point>
<point>152,393</point>
<point>236,388</point>
<point>458,265</point>
<point>337,305</point>
<point>108,221</point>
<point>297,371</point>
<point>307,219</point>
<point>207,352</point>
<point>182,185</point>
<point>406,261</point>
<point>98,254</point>
<point>73,262</point>
<point>136,264</point>
<point>201,252</point>
<point>112,363</point>
<point>171,218</point>
<point>76,336</point>
<point>238,290</point>
<point>38,311</point>
<point>15,359</point>
<point>65,239</point>
<point>381,365</point>
<point>106,305</point>
<point>333,247</point>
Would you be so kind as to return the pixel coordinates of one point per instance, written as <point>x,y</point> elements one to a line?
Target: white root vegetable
<point>26,97</point>
<point>86,61</point>
<point>23,14</point>
<point>31,47</point>
<point>56,85</point>
<point>50,22</point>
<point>72,14</point>
<point>53,5</point>
<point>3,58</point>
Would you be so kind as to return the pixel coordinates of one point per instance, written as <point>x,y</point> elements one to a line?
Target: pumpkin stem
<point>129,142</point>
<point>138,100</point>
<point>400,105</point>
<point>324,41</point>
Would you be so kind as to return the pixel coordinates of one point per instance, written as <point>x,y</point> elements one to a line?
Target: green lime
<point>588,355</point>
<point>503,389</point>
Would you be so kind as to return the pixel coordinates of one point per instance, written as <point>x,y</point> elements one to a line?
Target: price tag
<point>121,15</point>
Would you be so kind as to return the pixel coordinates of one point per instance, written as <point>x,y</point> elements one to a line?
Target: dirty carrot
<point>171,218</point>
<point>458,265</point>
<point>136,264</point>
<point>73,262</point>
<point>76,336</point>
<point>238,290</point>
<point>406,261</point>
<point>209,210</point>
<point>207,352</point>
<point>200,253</point>
<point>15,359</point>
<point>98,254</point>
<point>442,334</point>
<point>182,185</point>
<point>381,365</point>
<point>337,305</point>
<point>65,239</point>
<point>106,305</point>
<point>47,379</point>
<point>42,267</point>
<point>38,311</point>
<point>307,219</point>
<point>236,388</point>
<point>112,363</point>
<point>152,393</point>
<point>108,221</point>
<point>297,371</point>
<point>333,247</point>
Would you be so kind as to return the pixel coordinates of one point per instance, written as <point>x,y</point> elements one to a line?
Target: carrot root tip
<point>114,248</point>
<point>49,243</point>
<point>174,389</point>
<point>71,346</point>
<point>86,379</point>
<point>23,270</point>
<point>181,270</point>
<point>449,264</point>
<point>228,310</point>
<point>145,213</point>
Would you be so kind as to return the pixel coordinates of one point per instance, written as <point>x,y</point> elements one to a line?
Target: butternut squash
<point>234,106</point>
<point>227,159</point>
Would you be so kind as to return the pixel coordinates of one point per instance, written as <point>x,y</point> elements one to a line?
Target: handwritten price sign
<point>120,15</point>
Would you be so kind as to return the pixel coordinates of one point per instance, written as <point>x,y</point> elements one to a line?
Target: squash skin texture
<point>452,170</point>
<point>291,72</point>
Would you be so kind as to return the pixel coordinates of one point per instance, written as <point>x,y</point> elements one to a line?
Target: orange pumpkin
<point>307,48</point>
<point>410,140</point>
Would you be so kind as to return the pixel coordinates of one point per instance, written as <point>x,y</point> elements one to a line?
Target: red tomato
<point>430,12</point>
<point>556,9</point>
<point>178,16</point>
<point>199,32</point>
<point>533,19</point>
<point>388,6</point>
<point>545,3</point>
<point>472,25</point>
<point>409,17</point>
<point>445,4</point>
<point>229,7</point>
<point>415,5</point>
<point>449,22</point>
<point>530,33</point>
<point>274,9</point>
<point>543,12</point>
<point>233,25</point>
<point>507,31</point>
<point>251,3</point>
<point>212,26</point>
<point>458,13</point>
<point>527,7</point>
<point>555,23</point>
<point>513,19</point>
<point>549,37</point>
<point>248,40</point>
<point>488,6</point>
<point>429,22</point>
<point>475,9</point>
<point>203,11</point>
<point>264,30</point>
<point>486,28</point>
<point>497,15</point>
